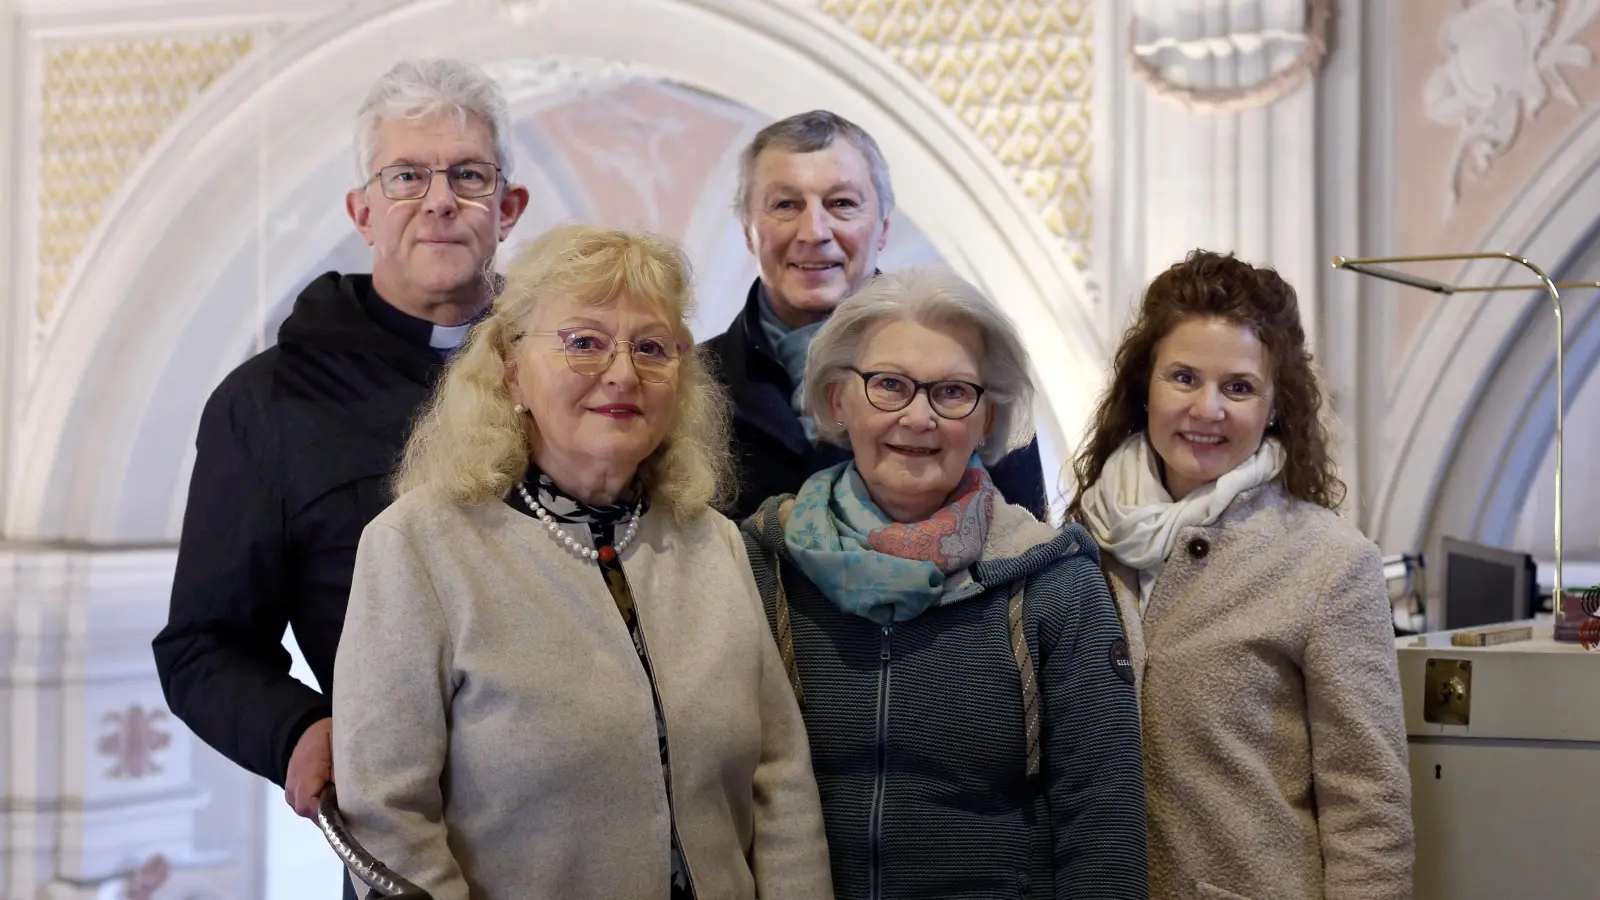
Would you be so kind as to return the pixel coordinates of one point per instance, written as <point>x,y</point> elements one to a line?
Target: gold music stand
<point>1378,267</point>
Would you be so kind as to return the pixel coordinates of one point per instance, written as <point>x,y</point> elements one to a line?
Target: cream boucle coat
<point>1275,745</point>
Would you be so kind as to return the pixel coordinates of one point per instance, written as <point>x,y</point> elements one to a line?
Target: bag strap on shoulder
<point>785,632</point>
<point>1030,682</point>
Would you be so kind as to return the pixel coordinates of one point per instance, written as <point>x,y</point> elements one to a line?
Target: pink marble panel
<point>1424,148</point>
<point>644,153</point>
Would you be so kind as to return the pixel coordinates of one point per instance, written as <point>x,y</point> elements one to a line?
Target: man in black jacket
<point>296,447</point>
<point>815,200</point>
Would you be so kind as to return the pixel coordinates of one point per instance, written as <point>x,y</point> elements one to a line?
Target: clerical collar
<point>419,332</point>
<point>449,337</point>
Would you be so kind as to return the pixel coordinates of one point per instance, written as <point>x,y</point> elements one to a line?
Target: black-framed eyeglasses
<point>408,181</point>
<point>589,352</point>
<point>894,391</point>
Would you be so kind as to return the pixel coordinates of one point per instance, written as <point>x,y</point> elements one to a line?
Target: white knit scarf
<point>1133,518</point>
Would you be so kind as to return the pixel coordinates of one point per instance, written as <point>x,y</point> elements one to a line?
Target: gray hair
<point>936,297</point>
<point>418,88</point>
<point>811,132</point>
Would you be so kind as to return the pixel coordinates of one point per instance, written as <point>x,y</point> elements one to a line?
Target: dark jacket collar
<point>760,388</point>
<point>747,354</point>
<point>414,331</point>
<point>750,317</point>
<point>334,314</point>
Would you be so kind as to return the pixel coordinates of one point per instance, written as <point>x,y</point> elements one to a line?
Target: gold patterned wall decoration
<point>103,105</point>
<point>1018,72</point>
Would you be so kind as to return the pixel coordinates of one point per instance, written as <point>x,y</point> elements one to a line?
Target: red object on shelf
<point>1579,622</point>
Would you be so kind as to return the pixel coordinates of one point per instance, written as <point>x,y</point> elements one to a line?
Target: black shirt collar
<point>414,331</point>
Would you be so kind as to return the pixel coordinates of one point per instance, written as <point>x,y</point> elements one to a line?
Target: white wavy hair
<point>938,298</point>
<point>419,88</point>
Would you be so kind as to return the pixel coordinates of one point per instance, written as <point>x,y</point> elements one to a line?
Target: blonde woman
<point>555,678</point>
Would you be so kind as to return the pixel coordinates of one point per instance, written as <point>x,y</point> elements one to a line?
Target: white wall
<point>298,865</point>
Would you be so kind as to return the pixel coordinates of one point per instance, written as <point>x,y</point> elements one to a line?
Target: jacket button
<point>1199,547</point>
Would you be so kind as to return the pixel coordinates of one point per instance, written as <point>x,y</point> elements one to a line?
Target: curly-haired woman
<point>1275,748</point>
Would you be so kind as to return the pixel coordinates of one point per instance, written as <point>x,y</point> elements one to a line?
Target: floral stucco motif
<point>1503,62</point>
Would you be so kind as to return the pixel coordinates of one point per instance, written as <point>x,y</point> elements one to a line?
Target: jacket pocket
<point>1205,891</point>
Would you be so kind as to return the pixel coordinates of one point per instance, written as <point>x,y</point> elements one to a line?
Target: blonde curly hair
<point>472,446</point>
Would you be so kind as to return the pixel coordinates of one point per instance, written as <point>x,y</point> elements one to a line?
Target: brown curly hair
<point>1209,285</point>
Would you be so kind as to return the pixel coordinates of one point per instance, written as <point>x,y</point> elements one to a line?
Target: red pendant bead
<point>608,553</point>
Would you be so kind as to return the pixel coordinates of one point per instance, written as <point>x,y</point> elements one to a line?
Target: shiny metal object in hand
<point>381,881</point>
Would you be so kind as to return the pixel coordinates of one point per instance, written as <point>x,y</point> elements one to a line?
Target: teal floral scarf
<point>882,570</point>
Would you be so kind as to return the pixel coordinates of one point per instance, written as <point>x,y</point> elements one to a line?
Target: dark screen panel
<point>1479,592</point>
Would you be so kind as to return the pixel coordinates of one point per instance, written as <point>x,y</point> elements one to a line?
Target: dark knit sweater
<point>917,731</point>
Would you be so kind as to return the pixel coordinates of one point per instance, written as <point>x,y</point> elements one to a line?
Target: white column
<point>1355,153</point>
<point>14,316</point>
<point>1242,181</point>
<point>1117,172</point>
<point>1222,174</point>
<point>98,779</point>
<point>1287,182</point>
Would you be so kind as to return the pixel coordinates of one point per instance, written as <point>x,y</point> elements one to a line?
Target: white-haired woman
<point>555,679</point>
<point>960,665</point>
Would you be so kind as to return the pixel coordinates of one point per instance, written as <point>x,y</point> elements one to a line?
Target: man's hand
<point>310,768</point>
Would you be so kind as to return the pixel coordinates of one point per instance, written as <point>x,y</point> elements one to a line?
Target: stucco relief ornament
<point>140,884</point>
<point>134,740</point>
<point>557,79</point>
<point>517,12</point>
<point>1224,57</point>
<point>1502,64</point>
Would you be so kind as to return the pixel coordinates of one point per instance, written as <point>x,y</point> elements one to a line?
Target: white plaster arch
<point>713,236</point>
<point>103,380</point>
<point>1473,411</point>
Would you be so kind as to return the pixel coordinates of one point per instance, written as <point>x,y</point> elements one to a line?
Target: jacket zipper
<point>672,805</point>
<point>876,837</point>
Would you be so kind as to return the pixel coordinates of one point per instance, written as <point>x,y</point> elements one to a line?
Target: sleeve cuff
<point>315,713</point>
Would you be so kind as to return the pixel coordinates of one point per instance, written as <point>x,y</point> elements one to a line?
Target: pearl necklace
<point>606,553</point>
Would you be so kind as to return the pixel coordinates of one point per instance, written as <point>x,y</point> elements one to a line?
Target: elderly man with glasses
<point>815,201</point>
<point>297,446</point>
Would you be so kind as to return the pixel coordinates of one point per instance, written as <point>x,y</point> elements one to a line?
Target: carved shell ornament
<point>1502,63</point>
<point>1222,57</point>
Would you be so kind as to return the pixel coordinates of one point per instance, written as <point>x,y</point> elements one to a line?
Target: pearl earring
<point>840,424</point>
<point>519,409</point>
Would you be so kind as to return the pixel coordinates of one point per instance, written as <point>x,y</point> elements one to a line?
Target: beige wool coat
<point>494,734</point>
<point>1275,745</point>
